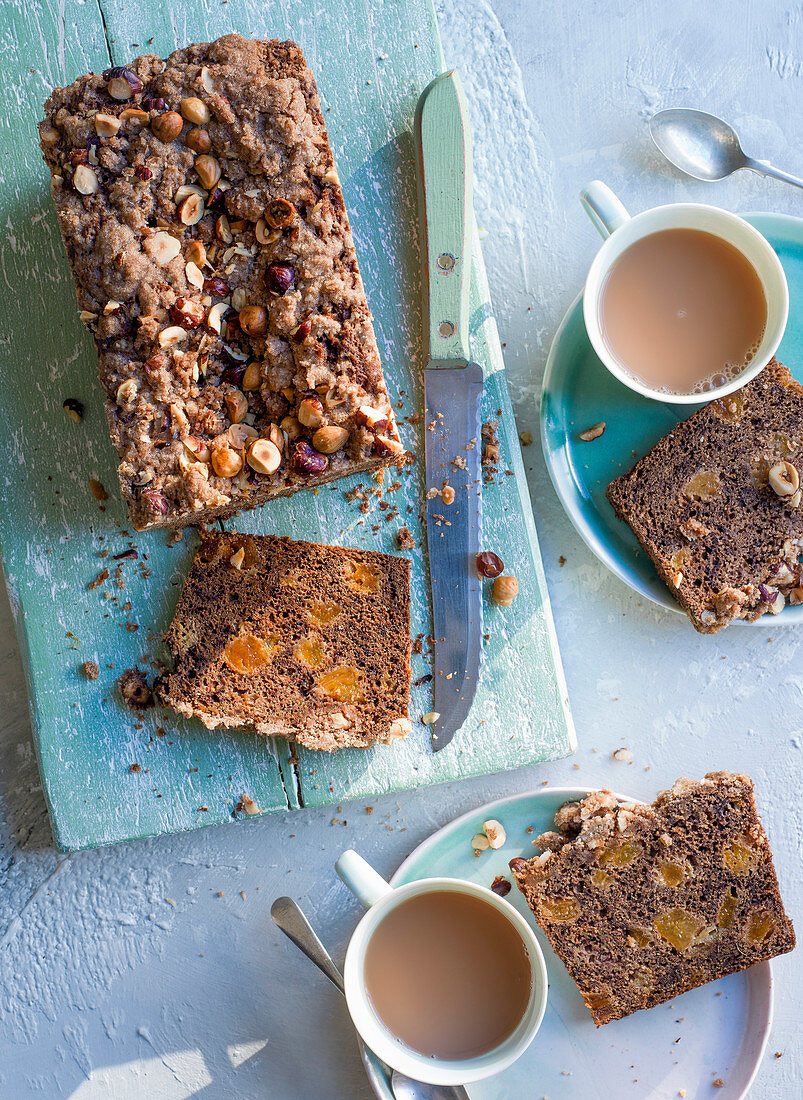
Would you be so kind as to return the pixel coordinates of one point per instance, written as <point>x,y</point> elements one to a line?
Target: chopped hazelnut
<point>237,406</point>
<point>594,432</point>
<point>310,412</point>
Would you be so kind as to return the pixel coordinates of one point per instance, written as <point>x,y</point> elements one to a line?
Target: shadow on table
<point>23,813</point>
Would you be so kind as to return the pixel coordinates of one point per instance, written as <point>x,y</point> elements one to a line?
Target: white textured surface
<point>107,989</point>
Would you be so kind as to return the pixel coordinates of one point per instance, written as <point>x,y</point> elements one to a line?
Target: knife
<point>452,391</point>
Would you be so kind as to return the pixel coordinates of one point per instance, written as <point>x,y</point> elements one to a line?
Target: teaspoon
<point>706,147</point>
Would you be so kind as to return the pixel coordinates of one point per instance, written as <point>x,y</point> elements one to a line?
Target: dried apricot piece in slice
<point>678,927</point>
<point>344,684</point>
<point>248,654</point>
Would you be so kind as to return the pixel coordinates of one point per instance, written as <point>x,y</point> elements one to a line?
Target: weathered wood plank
<point>371,61</point>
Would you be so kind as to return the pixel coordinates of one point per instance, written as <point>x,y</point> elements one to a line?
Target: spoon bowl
<point>699,144</point>
<point>706,147</point>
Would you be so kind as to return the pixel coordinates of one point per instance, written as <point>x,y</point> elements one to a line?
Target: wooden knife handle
<point>443,131</point>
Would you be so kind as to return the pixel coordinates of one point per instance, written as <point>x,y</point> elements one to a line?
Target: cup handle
<point>365,883</point>
<point>602,206</point>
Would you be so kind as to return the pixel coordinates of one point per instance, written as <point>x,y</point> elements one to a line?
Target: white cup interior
<point>729,227</point>
<point>401,1057</point>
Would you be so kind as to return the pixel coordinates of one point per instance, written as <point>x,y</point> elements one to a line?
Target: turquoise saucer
<point>578,391</point>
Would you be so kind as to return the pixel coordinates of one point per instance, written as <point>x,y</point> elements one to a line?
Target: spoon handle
<point>290,918</point>
<point>764,168</point>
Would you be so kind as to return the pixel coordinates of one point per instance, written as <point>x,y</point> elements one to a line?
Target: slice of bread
<point>642,903</point>
<point>703,506</point>
<point>304,641</point>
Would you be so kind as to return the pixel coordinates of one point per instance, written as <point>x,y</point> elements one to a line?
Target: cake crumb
<point>134,768</point>
<point>404,538</point>
<point>89,670</point>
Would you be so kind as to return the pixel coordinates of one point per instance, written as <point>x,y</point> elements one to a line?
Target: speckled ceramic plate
<point>717,1031</point>
<point>578,391</point>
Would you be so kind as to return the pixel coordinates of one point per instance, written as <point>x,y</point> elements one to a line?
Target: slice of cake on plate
<point>642,903</point>
<point>716,504</point>
<point>304,641</point>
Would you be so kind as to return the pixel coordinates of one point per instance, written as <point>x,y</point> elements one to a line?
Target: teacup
<point>621,231</point>
<point>381,899</point>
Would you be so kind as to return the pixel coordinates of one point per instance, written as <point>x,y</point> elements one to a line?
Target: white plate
<point>717,1031</point>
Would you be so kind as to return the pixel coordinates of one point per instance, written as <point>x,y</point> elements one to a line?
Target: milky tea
<point>448,975</point>
<point>683,311</point>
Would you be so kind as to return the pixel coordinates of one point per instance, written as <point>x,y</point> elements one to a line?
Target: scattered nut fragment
<point>74,409</point>
<point>194,110</point>
<point>237,405</point>
<point>505,590</point>
<point>187,313</point>
<point>489,564</point>
<point>191,210</point>
<point>384,445</point>
<point>784,479</point>
<point>168,126</point>
<point>448,494</point>
<point>263,456</point>
<point>373,419</point>
<point>208,169</point>
<point>89,670</point>
<point>254,320</point>
<point>501,886</point>
<point>279,214</point>
<point>225,461</point>
<point>223,230</point>
<point>195,277</point>
<point>310,412</point>
<point>106,125</point>
<point>215,318</point>
<point>126,392</point>
<point>430,718</point>
<point>122,83</point>
<point>291,426</point>
<point>135,690</point>
<point>623,754</point>
<point>133,114</point>
<point>171,335</point>
<point>85,181</point>
<point>525,438</point>
<point>162,247</point>
<point>495,832</point>
<point>400,728</point>
<point>594,432</point>
<point>479,842</point>
<point>329,439</point>
<point>249,805</point>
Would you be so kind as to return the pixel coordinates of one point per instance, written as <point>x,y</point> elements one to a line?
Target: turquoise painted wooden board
<point>371,61</point>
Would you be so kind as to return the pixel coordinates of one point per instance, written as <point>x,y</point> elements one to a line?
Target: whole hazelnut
<point>254,320</point>
<point>505,590</point>
<point>198,140</point>
<point>195,111</point>
<point>329,439</point>
<point>280,277</point>
<point>168,126</point>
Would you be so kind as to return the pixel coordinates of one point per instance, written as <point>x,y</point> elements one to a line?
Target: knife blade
<point>452,393</point>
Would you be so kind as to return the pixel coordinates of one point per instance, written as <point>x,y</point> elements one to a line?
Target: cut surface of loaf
<point>716,505</point>
<point>304,641</point>
<point>642,903</point>
<point>205,227</point>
